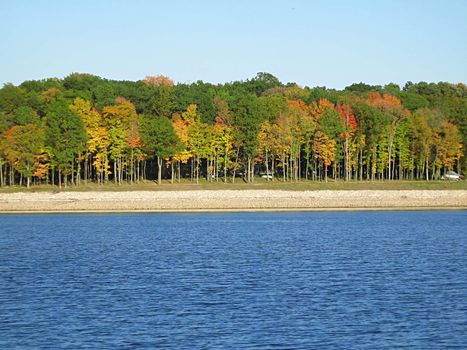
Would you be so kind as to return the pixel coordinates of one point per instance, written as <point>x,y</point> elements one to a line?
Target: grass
<point>259,184</point>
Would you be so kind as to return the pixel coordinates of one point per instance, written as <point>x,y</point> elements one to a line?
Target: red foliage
<point>384,101</point>
<point>219,120</point>
<point>350,122</point>
<point>121,99</point>
<point>158,80</point>
<point>297,104</point>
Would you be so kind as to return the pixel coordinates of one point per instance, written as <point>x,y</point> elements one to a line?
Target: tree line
<point>84,128</point>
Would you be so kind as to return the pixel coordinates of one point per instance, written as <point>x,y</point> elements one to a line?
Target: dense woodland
<point>84,128</point>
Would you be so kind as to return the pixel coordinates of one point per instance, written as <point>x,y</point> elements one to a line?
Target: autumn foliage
<point>84,128</point>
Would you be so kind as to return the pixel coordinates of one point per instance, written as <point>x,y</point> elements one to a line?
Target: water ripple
<point>366,280</point>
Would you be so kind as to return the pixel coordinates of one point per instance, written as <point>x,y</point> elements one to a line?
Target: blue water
<point>359,280</point>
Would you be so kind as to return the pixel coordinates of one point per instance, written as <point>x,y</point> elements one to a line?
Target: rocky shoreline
<point>231,200</point>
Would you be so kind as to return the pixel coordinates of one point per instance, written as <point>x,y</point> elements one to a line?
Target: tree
<point>247,119</point>
<point>92,129</point>
<point>423,139</point>
<point>66,137</point>
<point>158,93</point>
<point>24,115</point>
<point>450,147</point>
<point>12,97</point>
<point>23,147</point>
<point>331,124</point>
<point>181,124</point>
<point>392,107</point>
<point>98,142</point>
<point>350,127</point>
<point>158,80</point>
<point>160,139</point>
<point>262,82</point>
<point>402,148</point>
<point>266,145</point>
<point>121,121</point>
<point>371,130</point>
<point>324,150</point>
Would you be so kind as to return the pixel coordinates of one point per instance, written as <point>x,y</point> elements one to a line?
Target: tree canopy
<point>87,128</point>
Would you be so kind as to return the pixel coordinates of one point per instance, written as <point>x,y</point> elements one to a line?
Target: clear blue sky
<point>331,43</point>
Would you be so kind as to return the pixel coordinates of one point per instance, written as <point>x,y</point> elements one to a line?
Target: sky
<point>331,43</point>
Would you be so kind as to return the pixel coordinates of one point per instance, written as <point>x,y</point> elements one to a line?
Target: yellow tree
<point>284,143</point>
<point>219,146</point>
<point>423,138</point>
<point>181,124</point>
<point>23,148</point>
<point>450,145</point>
<point>226,140</point>
<point>99,142</point>
<point>92,121</point>
<point>119,119</point>
<point>197,138</point>
<point>99,146</point>
<point>301,126</point>
<point>157,80</point>
<point>324,150</point>
<point>266,145</point>
<point>392,108</point>
<point>318,108</point>
<point>135,144</point>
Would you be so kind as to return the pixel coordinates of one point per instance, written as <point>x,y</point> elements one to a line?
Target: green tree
<point>248,118</point>
<point>24,115</point>
<point>66,138</point>
<point>159,137</point>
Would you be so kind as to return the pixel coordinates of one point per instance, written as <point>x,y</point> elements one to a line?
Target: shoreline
<point>231,201</point>
<point>214,211</point>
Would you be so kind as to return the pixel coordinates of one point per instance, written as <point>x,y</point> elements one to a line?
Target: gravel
<point>231,200</point>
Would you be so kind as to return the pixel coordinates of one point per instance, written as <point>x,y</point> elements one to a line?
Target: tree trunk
<point>427,170</point>
<point>299,167</point>
<point>346,158</point>
<point>172,171</point>
<point>85,174</point>
<point>159,170</point>
<point>115,172</point>
<point>197,169</point>
<point>284,168</point>
<point>225,165</point>
<point>267,166</point>
<point>192,167</point>
<point>235,166</point>
<point>78,173</point>
<point>72,171</point>
<point>360,165</point>
<point>179,170</point>
<point>273,166</point>
<point>373,165</point>
<point>252,164</point>
<point>132,166</point>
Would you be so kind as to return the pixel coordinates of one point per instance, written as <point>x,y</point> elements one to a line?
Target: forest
<point>84,128</point>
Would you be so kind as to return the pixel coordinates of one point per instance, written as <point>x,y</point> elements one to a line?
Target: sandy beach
<point>231,200</point>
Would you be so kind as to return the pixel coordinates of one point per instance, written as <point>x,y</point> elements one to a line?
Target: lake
<point>317,280</point>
